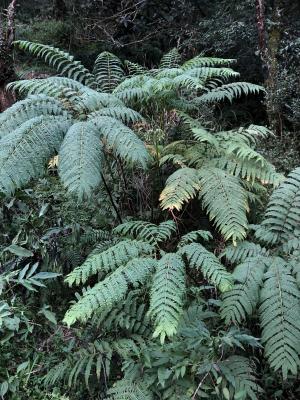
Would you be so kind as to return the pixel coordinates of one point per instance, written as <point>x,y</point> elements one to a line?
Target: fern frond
<point>24,152</point>
<point>32,106</point>
<point>105,294</point>
<point>229,92</point>
<point>226,202</point>
<point>210,266</point>
<point>239,374</point>
<point>134,68</point>
<point>123,141</point>
<point>279,315</point>
<point>62,61</point>
<point>194,236</point>
<point>200,61</point>
<point>108,260</point>
<point>147,231</point>
<point>176,159</point>
<point>242,299</point>
<point>166,298</point>
<point>80,159</point>
<point>124,114</point>
<point>108,71</point>
<point>283,212</point>
<point>243,250</point>
<point>128,390</point>
<point>181,187</point>
<point>170,59</point>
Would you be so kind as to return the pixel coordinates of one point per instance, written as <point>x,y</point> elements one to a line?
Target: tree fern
<point>166,298</point>
<point>279,315</point>
<point>108,71</point>
<point>211,268</point>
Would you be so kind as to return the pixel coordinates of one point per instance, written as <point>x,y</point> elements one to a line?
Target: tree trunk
<point>7,72</point>
<point>269,43</point>
<point>60,9</point>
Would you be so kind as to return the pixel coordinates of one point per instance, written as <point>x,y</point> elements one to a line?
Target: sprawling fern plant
<point>132,261</point>
<point>223,170</point>
<point>267,278</point>
<point>63,116</point>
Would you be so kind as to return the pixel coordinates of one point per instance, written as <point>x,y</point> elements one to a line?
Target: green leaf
<point>19,251</point>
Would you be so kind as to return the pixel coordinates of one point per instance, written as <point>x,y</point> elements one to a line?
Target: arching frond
<point>279,315</point>
<point>124,114</point>
<point>283,212</point>
<point>80,159</point>
<point>24,152</point>
<point>229,92</point>
<point>243,250</point>
<point>105,294</point>
<point>200,61</point>
<point>123,141</point>
<point>194,236</point>
<point>31,107</point>
<point>62,61</point>
<point>166,298</point>
<point>53,86</point>
<point>181,187</point>
<point>210,266</point>
<point>108,260</point>
<point>108,71</point>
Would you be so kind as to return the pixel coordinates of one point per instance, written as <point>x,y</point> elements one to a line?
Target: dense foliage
<point>150,241</point>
